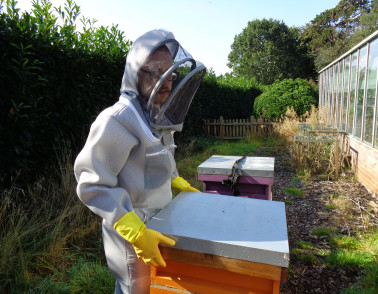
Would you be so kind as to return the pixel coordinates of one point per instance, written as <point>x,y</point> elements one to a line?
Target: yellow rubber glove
<point>146,247</point>
<point>179,185</point>
<point>145,241</point>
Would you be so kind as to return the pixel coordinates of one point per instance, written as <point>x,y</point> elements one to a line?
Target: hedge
<point>54,82</point>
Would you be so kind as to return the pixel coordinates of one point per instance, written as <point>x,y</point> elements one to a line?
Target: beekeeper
<point>126,169</point>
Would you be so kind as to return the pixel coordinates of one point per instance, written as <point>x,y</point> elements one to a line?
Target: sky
<point>205,28</point>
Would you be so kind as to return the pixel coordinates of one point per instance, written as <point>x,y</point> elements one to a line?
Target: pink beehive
<point>254,176</point>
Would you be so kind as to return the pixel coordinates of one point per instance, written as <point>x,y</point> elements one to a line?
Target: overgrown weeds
<point>314,147</point>
<point>288,126</point>
<point>41,228</point>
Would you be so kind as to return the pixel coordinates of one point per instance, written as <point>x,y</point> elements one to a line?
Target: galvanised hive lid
<point>234,227</point>
<point>250,166</point>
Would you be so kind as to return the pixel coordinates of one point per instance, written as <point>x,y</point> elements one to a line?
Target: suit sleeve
<point>105,153</point>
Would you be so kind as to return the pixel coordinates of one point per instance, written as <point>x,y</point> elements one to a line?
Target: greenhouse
<point>348,92</point>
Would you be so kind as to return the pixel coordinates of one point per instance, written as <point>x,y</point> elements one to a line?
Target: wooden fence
<point>237,129</point>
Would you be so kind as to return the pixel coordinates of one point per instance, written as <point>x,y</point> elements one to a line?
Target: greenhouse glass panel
<point>360,91</point>
<point>329,95</point>
<point>371,90</point>
<point>352,92</point>
<point>345,94</point>
<point>339,94</point>
<point>322,87</point>
<point>334,91</point>
<point>329,91</point>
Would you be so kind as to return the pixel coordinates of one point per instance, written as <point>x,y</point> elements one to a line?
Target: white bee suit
<point>127,163</point>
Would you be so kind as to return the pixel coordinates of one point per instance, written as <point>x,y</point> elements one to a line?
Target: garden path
<point>308,212</point>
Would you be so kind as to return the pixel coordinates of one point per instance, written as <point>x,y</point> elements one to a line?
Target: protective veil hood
<point>171,82</point>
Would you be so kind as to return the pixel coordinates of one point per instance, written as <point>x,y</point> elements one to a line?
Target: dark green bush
<point>229,97</point>
<point>53,83</point>
<point>277,97</point>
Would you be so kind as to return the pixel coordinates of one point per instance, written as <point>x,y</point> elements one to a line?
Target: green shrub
<point>277,97</point>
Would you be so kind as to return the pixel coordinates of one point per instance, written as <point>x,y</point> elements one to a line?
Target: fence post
<point>253,125</point>
<point>244,130</point>
<point>259,126</point>
<point>221,127</point>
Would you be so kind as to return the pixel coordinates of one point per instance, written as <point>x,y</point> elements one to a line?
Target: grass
<point>42,228</point>
<point>355,252</point>
<point>304,245</point>
<point>330,206</point>
<point>294,191</point>
<point>82,277</point>
<point>304,252</point>
<point>288,202</point>
<point>347,252</point>
<point>358,251</point>
<point>90,277</point>
<point>324,231</point>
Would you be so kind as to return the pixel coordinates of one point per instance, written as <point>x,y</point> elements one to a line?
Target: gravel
<point>308,212</point>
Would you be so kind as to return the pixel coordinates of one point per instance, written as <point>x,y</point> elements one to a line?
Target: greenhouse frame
<point>348,94</point>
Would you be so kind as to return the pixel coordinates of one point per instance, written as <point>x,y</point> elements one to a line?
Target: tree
<point>269,50</point>
<point>335,31</point>
<point>368,24</point>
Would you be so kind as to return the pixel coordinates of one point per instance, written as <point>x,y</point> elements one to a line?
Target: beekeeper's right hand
<point>145,241</point>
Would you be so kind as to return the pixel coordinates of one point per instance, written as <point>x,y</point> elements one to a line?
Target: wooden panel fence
<point>237,129</point>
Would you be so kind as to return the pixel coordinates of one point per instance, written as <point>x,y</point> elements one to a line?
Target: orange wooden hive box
<point>223,245</point>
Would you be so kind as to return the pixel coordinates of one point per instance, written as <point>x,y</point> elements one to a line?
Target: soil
<point>308,212</point>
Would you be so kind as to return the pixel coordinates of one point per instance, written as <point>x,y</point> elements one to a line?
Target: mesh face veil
<point>174,87</point>
<point>167,81</point>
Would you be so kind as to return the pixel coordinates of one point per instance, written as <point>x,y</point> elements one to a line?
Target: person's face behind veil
<point>156,65</point>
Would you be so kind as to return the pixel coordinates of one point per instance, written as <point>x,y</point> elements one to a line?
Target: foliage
<point>335,31</point>
<point>269,50</point>
<point>225,96</point>
<point>56,80</point>
<point>53,82</point>
<point>275,100</point>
